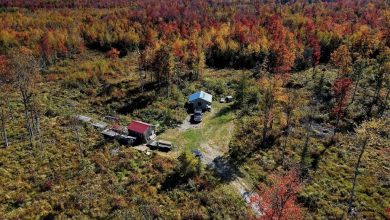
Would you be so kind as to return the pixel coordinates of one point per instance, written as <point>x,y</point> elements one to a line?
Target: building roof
<point>164,142</point>
<point>200,95</point>
<point>100,124</point>
<point>119,129</point>
<point>126,137</point>
<point>138,126</point>
<point>83,118</point>
<point>109,133</point>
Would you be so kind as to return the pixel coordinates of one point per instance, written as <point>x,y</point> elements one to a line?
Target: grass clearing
<point>215,129</point>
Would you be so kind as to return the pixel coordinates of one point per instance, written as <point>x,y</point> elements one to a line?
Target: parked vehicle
<point>229,98</point>
<point>197,117</point>
<point>197,153</point>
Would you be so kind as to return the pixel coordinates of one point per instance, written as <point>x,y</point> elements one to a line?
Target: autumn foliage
<point>342,59</point>
<point>278,200</point>
<point>341,88</point>
<point>113,53</point>
<point>5,75</point>
<point>215,30</point>
<point>161,51</point>
<point>387,210</point>
<point>3,63</point>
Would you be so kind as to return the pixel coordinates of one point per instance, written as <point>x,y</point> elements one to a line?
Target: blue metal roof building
<point>200,95</point>
<point>200,101</point>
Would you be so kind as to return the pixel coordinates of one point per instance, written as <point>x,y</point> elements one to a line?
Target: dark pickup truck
<point>197,117</point>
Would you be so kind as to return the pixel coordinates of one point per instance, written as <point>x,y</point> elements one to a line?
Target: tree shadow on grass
<point>223,111</point>
<point>101,143</point>
<point>223,169</point>
<point>140,102</point>
<point>134,98</point>
<point>317,157</point>
<point>172,181</point>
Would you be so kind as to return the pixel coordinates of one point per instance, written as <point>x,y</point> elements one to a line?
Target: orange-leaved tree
<point>282,50</point>
<point>5,78</point>
<point>273,94</point>
<point>341,58</point>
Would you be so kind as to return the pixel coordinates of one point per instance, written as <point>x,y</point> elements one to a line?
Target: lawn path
<point>212,137</point>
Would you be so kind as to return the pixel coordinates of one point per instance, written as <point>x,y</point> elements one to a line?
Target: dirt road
<point>212,137</point>
<point>214,158</point>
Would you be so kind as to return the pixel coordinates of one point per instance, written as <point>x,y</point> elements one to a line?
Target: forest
<point>308,129</point>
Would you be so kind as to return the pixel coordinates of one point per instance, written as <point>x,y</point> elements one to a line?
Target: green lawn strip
<point>215,128</point>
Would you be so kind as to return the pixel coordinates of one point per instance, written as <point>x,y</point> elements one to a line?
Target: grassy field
<point>215,130</point>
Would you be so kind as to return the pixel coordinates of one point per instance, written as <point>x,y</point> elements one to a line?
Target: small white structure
<point>100,125</point>
<point>83,118</point>
<point>200,100</point>
<point>110,134</point>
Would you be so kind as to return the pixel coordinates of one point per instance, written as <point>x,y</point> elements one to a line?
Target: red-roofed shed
<point>144,132</point>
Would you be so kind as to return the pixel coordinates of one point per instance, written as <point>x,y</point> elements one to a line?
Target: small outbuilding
<point>119,129</point>
<point>200,100</point>
<point>111,118</point>
<point>144,132</point>
<point>83,118</point>
<point>126,140</point>
<point>100,125</point>
<point>109,134</point>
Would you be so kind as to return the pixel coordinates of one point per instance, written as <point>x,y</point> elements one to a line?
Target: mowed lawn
<point>215,130</point>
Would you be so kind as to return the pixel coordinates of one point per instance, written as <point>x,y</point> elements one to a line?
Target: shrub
<point>215,86</point>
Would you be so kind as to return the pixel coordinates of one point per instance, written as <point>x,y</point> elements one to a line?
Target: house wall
<point>126,141</point>
<point>149,133</point>
<point>140,137</point>
<point>200,103</point>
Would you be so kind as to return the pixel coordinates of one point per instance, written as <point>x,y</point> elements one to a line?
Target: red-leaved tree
<point>314,43</point>
<point>341,58</point>
<point>341,90</point>
<point>278,201</point>
<point>387,213</point>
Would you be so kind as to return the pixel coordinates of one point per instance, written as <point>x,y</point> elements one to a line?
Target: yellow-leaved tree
<point>272,95</point>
